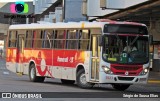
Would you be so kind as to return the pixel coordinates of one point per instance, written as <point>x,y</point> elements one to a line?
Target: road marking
<point>153,81</point>
<point>19,74</point>
<point>6,73</point>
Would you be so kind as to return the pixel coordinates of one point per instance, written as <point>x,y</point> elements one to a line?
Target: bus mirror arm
<point>151,39</point>
<point>100,41</point>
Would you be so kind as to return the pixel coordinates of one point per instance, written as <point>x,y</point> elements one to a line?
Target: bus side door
<point>20,54</point>
<point>95,58</point>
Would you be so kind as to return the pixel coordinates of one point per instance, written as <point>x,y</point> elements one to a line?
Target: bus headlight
<point>144,71</point>
<point>107,70</point>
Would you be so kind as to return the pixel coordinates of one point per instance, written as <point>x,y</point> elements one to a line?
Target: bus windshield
<point>125,29</point>
<point>125,49</point>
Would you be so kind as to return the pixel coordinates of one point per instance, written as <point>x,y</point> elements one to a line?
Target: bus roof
<point>62,25</point>
<point>57,25</point>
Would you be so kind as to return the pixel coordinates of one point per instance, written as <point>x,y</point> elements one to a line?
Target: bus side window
<point>29,35</point>
<point>12,39</point>
<point>9,38</point>
<point>37,39</point>
<point>72,42</point>
<point>60,39</point>
<point>47,38</point>
<point>84,39</point>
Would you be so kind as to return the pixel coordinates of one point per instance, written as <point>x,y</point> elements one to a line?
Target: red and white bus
<point>85,52</point>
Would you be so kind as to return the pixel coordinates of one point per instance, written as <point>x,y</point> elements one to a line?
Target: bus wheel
<point>32,75</point>
<point>120,87</point>
<point>67,81</point>
<point>81,80</point>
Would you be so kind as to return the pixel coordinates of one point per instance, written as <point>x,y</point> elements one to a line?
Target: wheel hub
<point>83,79</point>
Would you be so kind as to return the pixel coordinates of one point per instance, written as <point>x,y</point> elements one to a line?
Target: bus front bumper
<point>110,78</point>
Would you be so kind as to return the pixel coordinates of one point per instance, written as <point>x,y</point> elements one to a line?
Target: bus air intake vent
<point>126,78</point>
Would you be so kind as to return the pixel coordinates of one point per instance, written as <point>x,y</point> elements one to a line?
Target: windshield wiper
<point>134,40</point>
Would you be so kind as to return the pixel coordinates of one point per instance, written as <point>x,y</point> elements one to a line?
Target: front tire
<point>32,75</point>
<point>120,87</point>
<point>81,80</point>
<point>67,81</point>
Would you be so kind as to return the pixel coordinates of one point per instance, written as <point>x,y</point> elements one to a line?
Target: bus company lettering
<point>59,59</point>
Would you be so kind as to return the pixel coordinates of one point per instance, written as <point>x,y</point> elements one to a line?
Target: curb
<point>154,81</point>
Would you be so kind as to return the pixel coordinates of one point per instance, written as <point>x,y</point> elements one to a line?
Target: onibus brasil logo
<point>19,7</point>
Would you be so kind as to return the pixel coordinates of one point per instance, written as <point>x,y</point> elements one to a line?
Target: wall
<point>73,11</point>
<point>121,4</point>
<point>93,6</point>
<point>155,30</point>
<point>93,9</point>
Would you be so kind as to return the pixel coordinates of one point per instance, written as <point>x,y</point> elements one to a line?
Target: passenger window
<point>59,40</point>
<point>37,42</point>
<point>47,38</point>
<point>12,38</point>
<point>29,38</point>
<point>72,42</point>
<point>84,39</point>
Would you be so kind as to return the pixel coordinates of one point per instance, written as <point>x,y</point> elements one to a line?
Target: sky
<point>13,0</point>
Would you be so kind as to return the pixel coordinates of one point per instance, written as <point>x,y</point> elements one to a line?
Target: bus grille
<point>126,70</point>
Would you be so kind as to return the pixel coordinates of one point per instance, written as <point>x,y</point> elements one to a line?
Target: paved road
<point>10,82</point>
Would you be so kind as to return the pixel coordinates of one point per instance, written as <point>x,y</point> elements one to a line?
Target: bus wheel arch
<point>81,78</point>
<point>30,65</point>
<point>32,73</point>
<point>79,67</point>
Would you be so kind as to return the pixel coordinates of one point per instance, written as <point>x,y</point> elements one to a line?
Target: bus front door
<point>20,54</point>
<point>95,58</point>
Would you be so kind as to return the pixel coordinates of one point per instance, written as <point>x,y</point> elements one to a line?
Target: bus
<point>88,53</point>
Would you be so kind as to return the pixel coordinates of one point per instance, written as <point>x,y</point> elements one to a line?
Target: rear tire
<point>67,81</point>
<point>32,75</point>
<point>81,80</point>
<point>120,87</point>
